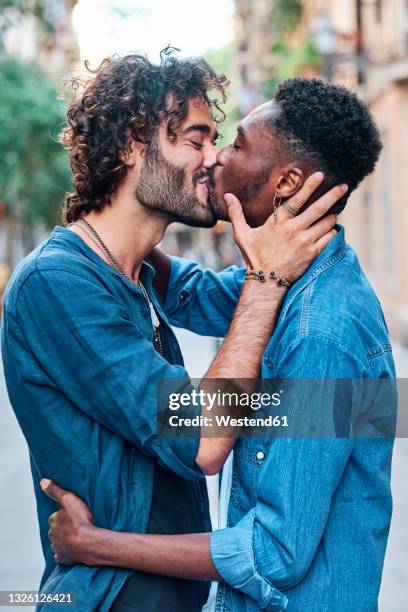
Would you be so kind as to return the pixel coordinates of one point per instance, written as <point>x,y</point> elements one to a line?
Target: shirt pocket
<point>249,457</point>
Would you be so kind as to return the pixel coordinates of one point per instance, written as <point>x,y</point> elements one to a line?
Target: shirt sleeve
<point>201,300</point>
<point>276,541</point>
<point>83,339</point>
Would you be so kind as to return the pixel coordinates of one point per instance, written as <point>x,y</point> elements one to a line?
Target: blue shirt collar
<point>333,252</point>
<point>147,272</point>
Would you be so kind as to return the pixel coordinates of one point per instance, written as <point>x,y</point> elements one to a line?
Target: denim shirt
<point>81,374</point>
<point>308,519</point>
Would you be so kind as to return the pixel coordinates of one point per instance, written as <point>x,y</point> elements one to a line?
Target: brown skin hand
<point>75,539</point>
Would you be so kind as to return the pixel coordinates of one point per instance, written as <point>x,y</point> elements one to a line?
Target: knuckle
<point>312,180</point>
<point>67,497</point>
<point>237,237</point>
<point>312,249</point>
<point>301,239</point>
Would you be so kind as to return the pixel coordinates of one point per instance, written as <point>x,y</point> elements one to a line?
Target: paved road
<point>394,589</point>
<point>21,559</point>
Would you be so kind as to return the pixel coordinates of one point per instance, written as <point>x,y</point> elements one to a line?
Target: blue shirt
<point>308,518</point>
<point>81,374</point>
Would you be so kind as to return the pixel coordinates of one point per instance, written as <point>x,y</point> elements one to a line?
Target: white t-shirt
<point>225,492</point>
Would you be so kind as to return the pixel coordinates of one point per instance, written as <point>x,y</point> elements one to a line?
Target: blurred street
<point>21,562</point>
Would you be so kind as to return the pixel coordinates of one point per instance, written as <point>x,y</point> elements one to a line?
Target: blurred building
<point>378,220</point>
<point>362,44</point>
<point>253,41</point>
<point>44,36</point>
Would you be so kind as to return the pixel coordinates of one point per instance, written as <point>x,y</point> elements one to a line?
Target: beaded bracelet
<point>260,276</point>
<point>252,275</point>
<point>279,279</point>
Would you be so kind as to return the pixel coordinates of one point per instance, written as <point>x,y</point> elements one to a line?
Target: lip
<point>203,185</point>
<point>214,176</point>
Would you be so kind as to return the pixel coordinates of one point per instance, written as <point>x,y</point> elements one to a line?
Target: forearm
<point>251,328</point>
<point>239,359</point>
<point>179,556</point>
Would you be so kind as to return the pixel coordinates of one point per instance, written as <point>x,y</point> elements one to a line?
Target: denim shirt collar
<point>334,251</point>
<point>147,272</point>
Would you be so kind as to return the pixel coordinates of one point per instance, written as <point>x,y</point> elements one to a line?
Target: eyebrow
<point>201,127</point>
<point>241,131</point>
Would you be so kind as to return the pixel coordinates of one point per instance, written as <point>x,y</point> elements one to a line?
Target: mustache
<point>210,175</point>
<point>197,176</point>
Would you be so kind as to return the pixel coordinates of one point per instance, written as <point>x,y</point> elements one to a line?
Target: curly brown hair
<point>128,98</point>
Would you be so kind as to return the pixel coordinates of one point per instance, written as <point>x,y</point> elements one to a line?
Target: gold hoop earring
<point>275,207</point>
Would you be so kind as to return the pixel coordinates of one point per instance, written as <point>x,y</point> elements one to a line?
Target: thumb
<point>235,213</point>
<point>52,490</point>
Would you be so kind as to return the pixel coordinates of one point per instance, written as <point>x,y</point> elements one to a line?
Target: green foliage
<point>291,59</point>
<point>34,173</point>
<point>222,61</point>
<point>291,62</point>
<point>286,14</point>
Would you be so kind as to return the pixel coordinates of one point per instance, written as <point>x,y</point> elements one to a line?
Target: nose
<point>222,155</point>
<point>210,156</point>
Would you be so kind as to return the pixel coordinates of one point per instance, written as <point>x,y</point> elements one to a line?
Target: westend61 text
<point>228,421</point>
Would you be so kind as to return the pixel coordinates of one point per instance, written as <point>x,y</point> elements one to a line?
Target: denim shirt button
<point>260,455</point>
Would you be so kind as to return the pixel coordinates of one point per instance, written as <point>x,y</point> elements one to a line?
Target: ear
<point>290,180</point>
<point>131,152</point>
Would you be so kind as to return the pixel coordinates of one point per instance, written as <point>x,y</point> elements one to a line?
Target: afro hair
<point>329,126</point>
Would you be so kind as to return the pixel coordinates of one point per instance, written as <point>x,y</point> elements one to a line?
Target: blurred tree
<point>10,10</point>
<point>286,13</point>
<point>34,172</point>
<point>291,61</point>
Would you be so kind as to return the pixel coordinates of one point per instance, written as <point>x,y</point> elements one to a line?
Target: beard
<point>167,191</point>
<point>246,190</point>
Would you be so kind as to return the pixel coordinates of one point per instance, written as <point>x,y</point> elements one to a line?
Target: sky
<point>105,27</point>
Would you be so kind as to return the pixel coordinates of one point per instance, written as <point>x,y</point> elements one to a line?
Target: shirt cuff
<point>232,553</point>
<point>180,272</point>
<point>185,274</point>
<point>177,447</point>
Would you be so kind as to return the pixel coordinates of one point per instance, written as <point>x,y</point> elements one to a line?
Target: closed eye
<point>199,145</point>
